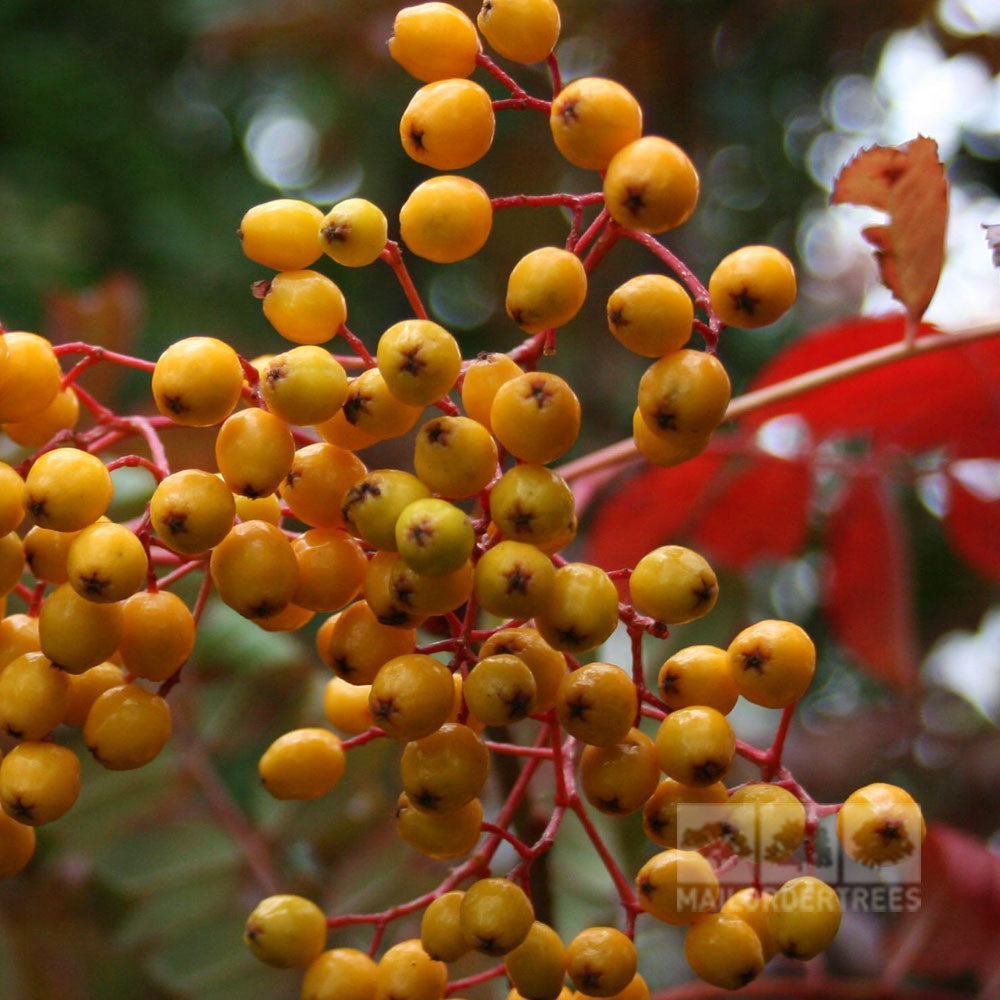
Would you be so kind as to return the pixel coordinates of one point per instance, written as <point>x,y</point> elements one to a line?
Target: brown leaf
<point>907,182</point>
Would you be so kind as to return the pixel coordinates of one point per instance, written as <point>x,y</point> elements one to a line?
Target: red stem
<point>393,255</point>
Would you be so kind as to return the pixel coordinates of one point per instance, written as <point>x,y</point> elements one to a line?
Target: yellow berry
<point>304,386</point>
<point>39,782</point>
<point>618,779</point>
<point>698,675</point>
<point>66,489</point>
<point>764,822</point>
<point>11,499</point>
<point>304,306</point>
<point>192,511</point>
<point>500,690</point>
<point>546,289</point>
<point>675,815</point>
<point>354,232</point>
<point>106,563</point>
<point>446,219</point>
<point>530,503</point>
<point>86,688</point>
<point>407,972</point>
<point>302,764</point>
<point>752,287</point>
<point>77,634</point>
<point>496,915</point>
<point>346,706</point>
<point>254,451</point>
<point>127,727</point>
<point>537,966</point>
<point>772,663</point>
<point>651,185</point>
<point>434,41</point>
<point>753,907</point>
<point>373,408</point>
<point>441,928</point>
<point>455,457</point>
<point>359,644</point>
<point>282,234</point>
<point>666,447</point>
<point>673,585</point>
<point>158,633</point>
<point>536,416</point>
<point>523,31</point>
<point>677,886</point>
<point>448,124</point>
<point>340,974</point>
<point>877,825</point>
<point>804,917</point>
<point>332,568</point>
<point>34,696</point>
<point>601,961</point>
<point>591,119</point>
<point>695,745</point>
<point>60,415</point>
<point>197,381</point>
<point>685,392</point>
<point>597,704</point>
<point>254,569</point>
<point>373,504</point>
<point>29,376</point>
<point>724,951</point>
<point>441,835</point>
<point>547,665</point>
<point>320,476</point>
<point>582,611</point>
<point>419,361</point>
<point>411,696</point>
<point>286,931</point>
<point>483,378</point>
<point>17,845</point>
<point>651,315</point>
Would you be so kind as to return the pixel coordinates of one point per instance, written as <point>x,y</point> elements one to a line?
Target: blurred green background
<point>132,139</point>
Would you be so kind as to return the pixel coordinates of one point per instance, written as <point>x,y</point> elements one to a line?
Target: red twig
<point>393,256</point>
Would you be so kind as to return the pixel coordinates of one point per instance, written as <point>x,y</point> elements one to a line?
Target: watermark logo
<point>748,845</point>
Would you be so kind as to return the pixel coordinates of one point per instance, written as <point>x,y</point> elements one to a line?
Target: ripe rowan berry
<point>724,951</point>
<point>320,476</point>
<point>673,815</point>
<point>254,451</point>
<point>429,595</point>
<point>346,706</point>
<point>419,361</point>
<point>772,663</point>
<point>18,634</point>
<point>673,585</point>
<point>39,782</point>
<point>340,974</point>
<point>359,644</point>
<point>290,618</point>
<point>34,696</point>
<point>536,416</point>
<point>17,845</point>
<point>753,907</point>
<point>764,822</point>
<point>698,675</point>
<point>434,41</point>
<point>752,287</point>
<point>530,503</point>
<point>537,966</point>
<point>651,315</point>
<point>695,745</point>
<point>45,553</point>
<point>441,933</point>
<point>618,779</point>
<point>60,415</point>
<point>496,915</point>
<point>11,562</point>
<point>446,219</point>
<point>192,511</point>
<point>197,381</point>
<point>500,690</point>
<point>29,376</point>
<point>686,391</point>
<point>411,696</point>
<point>66,489</point>
<point>441,835</point>
<point>443,771</point>
<point>258,508</point>
<point>514,580</point>
<point>106,562</point>
<point>448,124</point>
<point>304,306</point>
<point>547,665</point>
<point>304,386</point>
<point>254,569</point>
<point>524,31</point>
<point>354,232</point>
<point>546,289</point>
<point>286,931</point>
<point>591,119</point>
<point>407,972</point>
<point>804,917</point>
<point>339,431</point>
<point>582,611</point>
<point>127,727</point>
<point>877,825</point>
<point>332,567</point>
<point>434,537</point>
<point>372,407</point>
<point>373,504</point>
<point>601,961</point>
<point>77,634</point>
<point>483,378</point>
<point>282,234</point>
<point>597,704</point>
<point>86,688</point>
<point>677,886</point>
<point>637,989</point>
<point>455,456</point>
<point>11,499</point>
<point>666,448</point>
<point>651,185</point>
<point>302,764</point>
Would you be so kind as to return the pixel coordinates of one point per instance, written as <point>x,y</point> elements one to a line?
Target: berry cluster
<point>466,546</point>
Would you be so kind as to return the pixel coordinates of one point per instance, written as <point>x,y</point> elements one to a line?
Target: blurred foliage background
<point>132,139</point>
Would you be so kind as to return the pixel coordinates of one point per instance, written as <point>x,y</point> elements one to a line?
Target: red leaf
<point>867,593</point>
<point>957,927</point>
<point>973,525</point>
<point>908,182</point>
<point>763,512</point>
<point>653,509</point>
<point>938,399</point>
